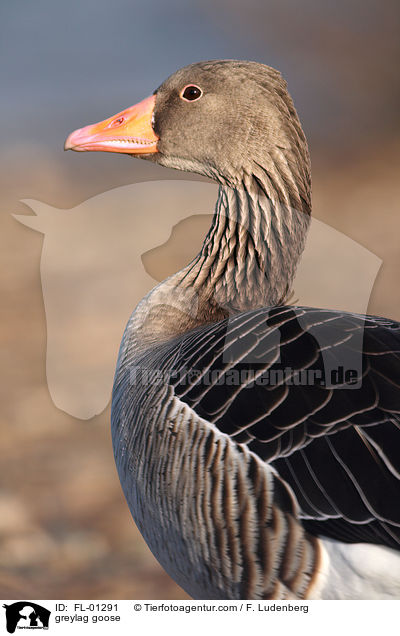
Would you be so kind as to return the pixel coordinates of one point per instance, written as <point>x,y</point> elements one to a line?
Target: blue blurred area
<point>68,64</point>
<point>65,63</point>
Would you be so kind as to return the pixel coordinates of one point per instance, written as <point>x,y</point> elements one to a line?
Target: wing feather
<point>336,444</point>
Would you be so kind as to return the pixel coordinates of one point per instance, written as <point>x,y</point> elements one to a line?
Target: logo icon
<point>26,615</point>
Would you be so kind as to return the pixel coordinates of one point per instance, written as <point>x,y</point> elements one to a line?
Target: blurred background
<point>65,530</point>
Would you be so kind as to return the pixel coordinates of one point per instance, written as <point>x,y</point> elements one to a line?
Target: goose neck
<point>249,256</point>
<point>248,260</point>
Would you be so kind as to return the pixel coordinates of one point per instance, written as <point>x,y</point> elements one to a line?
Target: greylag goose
<point>253,465</point>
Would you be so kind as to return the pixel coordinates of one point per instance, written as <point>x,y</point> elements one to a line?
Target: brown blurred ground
<point>65,530</point>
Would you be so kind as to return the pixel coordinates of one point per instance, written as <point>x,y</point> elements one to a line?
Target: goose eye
<point>191,92</point>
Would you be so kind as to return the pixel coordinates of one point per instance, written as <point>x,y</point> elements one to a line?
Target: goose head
<point>229,120</point>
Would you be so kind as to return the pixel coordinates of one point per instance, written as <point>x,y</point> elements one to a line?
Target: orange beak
<point>128,132</point>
